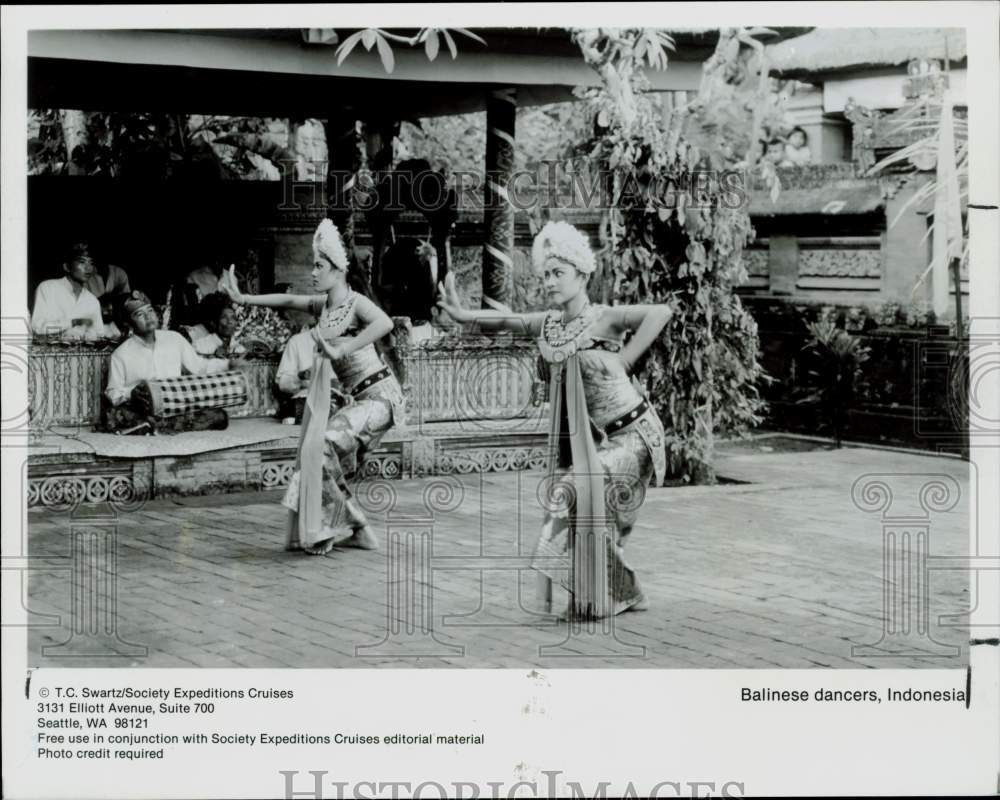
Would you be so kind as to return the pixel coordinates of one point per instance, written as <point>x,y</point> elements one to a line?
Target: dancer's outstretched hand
<point>449,300</point>
<point>229,285</point>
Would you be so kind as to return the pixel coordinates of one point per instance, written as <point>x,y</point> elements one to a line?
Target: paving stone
<point>782,572</point>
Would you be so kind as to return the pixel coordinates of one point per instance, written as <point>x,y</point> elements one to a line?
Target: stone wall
<point>65,384</point>
<point>445,381</point>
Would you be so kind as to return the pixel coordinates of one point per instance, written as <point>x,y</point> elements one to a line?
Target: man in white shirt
<point>294,373</point>
<point>64,306</point>
<point>152,354</point>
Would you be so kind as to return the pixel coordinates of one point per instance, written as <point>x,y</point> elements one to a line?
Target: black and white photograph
<point>501,348</point>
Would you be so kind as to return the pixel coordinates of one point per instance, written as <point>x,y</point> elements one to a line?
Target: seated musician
<point>219,319</point>
<point>109,309</point>
<point>64,306</point>
<point>153,354</point>
<point>187,296</point>
<point>291,381</point>
<point>108,279</point>
<point>294,373</point>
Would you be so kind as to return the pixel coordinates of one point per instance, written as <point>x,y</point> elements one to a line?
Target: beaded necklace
<point>560,340</point>
<point>333,321</point>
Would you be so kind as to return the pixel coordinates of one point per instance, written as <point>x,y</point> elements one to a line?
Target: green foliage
<point>668,241</point>
<point>457,143</point>
<point>46,143</point>
<point>922,121</point>
<point>150,145</point>
<point>528,290</point>
<point>891,314</point>
<point>837,360</point>
<point>380,39</point>
<point>779,316</point>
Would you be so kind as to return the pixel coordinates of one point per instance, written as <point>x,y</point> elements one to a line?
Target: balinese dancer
<point>606,442</point>
<point>323,512</point>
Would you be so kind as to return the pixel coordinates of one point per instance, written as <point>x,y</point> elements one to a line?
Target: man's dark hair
<point>77,250</point>
<point>211,309</point>
<point>119,315</point>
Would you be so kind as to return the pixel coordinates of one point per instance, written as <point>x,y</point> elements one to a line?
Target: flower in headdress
<point>562,241</point>
<point>327,243</point>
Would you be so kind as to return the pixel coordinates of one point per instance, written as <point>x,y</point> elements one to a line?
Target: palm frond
<point>470,34</point>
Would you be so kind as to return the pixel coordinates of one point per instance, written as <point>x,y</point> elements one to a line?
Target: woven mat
<point>240,433</point>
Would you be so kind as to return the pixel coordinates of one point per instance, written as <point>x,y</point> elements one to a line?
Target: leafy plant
<point>922,121</point>
<point>669,240</point>
<point>837,358</point>
<point>154,145</point>
<point>380,39</point>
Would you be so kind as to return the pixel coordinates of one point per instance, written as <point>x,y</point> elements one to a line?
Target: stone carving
<point>472,379</point>
<point>810,176</point>
<point>276,474</point>
<point>840,263</point>
<point>69,491</point>
<point>433,460</point>
<point>757,263</point>
<point>65,385</point>
<point>488,386</point>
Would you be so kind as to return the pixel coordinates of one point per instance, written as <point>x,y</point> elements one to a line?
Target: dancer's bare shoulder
<point>624,319</point>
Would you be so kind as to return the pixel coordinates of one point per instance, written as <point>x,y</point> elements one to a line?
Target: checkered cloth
<point>172,397</point>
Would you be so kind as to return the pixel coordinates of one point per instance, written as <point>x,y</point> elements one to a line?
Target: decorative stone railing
<point>447,380</point>
<point>65,383</point>
<point>460,379</point>
<point>813,176</point>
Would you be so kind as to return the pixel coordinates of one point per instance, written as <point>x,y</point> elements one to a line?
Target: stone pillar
<point>74,127</point>
<point>783,264</point>
<point>442,222</point>
<point>906,251</point>
<point>379,135</point>
<point>498,217</point>
<point>441,240</point>
<point>309,147</point>
<point>345,150</point>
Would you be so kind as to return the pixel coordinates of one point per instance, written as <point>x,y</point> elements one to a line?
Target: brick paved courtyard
<point>778,568</point>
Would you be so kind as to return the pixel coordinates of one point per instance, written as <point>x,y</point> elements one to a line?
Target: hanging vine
<point>677,226</point>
